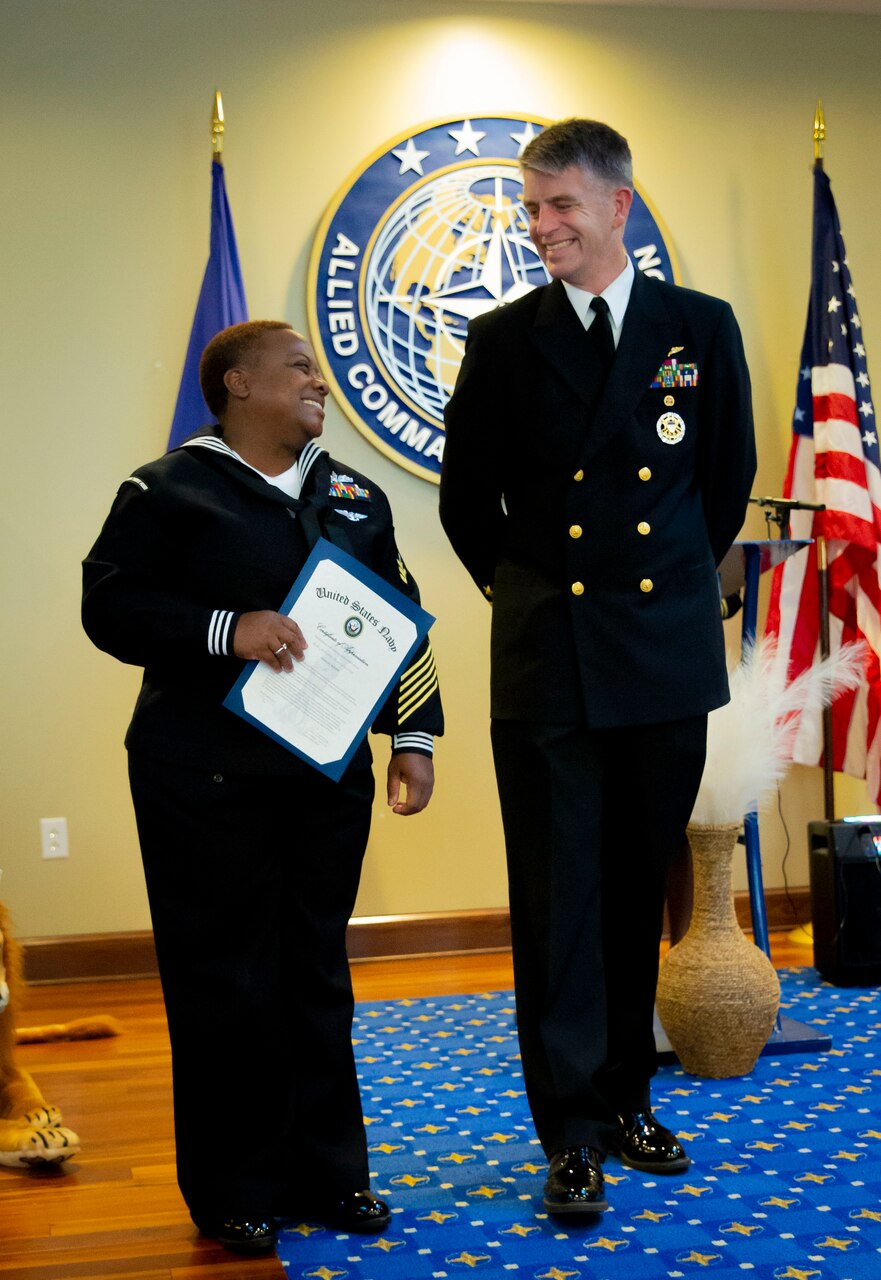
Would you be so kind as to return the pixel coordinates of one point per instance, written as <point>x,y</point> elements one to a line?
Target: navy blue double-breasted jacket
<point>596,528</point>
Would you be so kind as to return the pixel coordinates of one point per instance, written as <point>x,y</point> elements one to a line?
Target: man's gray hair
<point>589,144</point>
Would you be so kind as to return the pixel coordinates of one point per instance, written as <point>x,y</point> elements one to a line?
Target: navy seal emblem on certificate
<point>429,231</point>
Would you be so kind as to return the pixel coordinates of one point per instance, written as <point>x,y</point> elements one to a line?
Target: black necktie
<point>599,334</point>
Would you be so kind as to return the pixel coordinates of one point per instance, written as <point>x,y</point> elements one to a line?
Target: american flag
<point>834,460</point>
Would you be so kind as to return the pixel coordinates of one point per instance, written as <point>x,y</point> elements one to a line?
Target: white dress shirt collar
<point>617,295</point>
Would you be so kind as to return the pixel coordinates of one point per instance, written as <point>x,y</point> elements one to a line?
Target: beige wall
<point>105,217</point>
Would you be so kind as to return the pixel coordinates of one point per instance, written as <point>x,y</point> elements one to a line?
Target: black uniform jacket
<point>197,538</point>
<point>597,541</point>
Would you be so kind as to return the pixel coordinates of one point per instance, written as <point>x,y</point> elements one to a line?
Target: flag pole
<point>221,299</point>
<point>217,127</point>
<point>822,561</point>
<point>819,132</point>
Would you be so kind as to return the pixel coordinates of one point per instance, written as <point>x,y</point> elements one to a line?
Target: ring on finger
<point>283,649</point>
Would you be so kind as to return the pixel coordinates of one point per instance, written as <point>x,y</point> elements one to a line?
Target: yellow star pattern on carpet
<point>702,1259</point>
<point>470,1259</point>
<point>605,1243</point>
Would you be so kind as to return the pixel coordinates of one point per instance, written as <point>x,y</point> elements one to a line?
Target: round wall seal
<point>429,231</point>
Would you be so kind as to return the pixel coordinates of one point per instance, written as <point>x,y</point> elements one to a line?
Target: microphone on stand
<point>777,511</point>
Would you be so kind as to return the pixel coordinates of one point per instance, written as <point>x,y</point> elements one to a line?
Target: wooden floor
<point>115,1210</point>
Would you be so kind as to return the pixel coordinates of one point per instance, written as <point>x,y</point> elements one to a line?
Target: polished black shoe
<point>644,1144</point>
<point>360,1212</point>
<point>575,1182</point>
<point>240,1237</point>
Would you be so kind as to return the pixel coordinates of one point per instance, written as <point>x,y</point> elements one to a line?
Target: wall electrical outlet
<point>53,834</point>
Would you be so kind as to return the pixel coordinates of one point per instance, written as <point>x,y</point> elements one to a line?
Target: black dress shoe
<point>644,1144</point>
<point>240,1236</point>
<point>575,1182</point>
<point>359,1212</point>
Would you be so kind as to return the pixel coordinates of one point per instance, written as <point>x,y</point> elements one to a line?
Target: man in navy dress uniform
<point>598,462</point>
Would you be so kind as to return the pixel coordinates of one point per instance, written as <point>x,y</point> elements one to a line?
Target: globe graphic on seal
<point>454,246</point>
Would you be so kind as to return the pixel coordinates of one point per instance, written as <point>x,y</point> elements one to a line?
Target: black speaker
<point>845,869</point>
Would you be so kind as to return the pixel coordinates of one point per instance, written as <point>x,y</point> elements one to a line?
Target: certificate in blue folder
<point>360,634</point>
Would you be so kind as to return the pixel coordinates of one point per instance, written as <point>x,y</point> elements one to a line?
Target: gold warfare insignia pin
<point>670,428</point>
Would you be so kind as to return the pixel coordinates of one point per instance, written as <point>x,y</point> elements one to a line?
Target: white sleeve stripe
<point>225,638</point>
<point>424,741</point>
<point>218,632</point>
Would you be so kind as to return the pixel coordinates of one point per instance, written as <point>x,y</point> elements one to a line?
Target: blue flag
<point>221,303</point>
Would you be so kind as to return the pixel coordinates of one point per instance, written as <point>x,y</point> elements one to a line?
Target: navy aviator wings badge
<point>428,232</point>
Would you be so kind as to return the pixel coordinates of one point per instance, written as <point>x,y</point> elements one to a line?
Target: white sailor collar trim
<point>306,461</point>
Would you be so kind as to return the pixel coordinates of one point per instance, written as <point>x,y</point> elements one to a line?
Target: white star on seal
<point>525,137</point>
<point>411,158</point>
<point>467,138</point>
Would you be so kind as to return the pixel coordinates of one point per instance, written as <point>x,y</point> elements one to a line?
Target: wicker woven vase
<point>718,994</point>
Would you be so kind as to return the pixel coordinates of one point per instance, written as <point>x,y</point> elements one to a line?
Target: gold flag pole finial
<point>217,126</point>
<point>819,132</point>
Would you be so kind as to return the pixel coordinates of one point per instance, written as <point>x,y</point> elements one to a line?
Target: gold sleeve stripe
<point>417,685</point>
<point>404,713</point>
<point>402,569</point>
<point>406,699</point>
<point>425,663</point>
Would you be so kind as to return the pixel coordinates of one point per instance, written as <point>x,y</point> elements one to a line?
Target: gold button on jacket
<point>646,585</point>
<point>578,588</point>
<point>579,475</point>
<point>643,527</point>
<point>575,531</point>
<point>645,473</point>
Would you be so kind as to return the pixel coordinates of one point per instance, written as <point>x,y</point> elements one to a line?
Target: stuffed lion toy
<point>31,1132</point>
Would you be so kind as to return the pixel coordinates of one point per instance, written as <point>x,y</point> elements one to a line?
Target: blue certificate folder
<point>418,617</point>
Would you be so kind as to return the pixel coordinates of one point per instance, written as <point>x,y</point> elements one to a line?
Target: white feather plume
<point>750,740</point>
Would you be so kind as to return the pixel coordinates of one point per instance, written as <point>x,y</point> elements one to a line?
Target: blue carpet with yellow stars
<point>785,1180</point>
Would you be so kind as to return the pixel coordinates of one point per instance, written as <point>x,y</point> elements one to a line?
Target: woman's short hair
<point>226,350</point>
